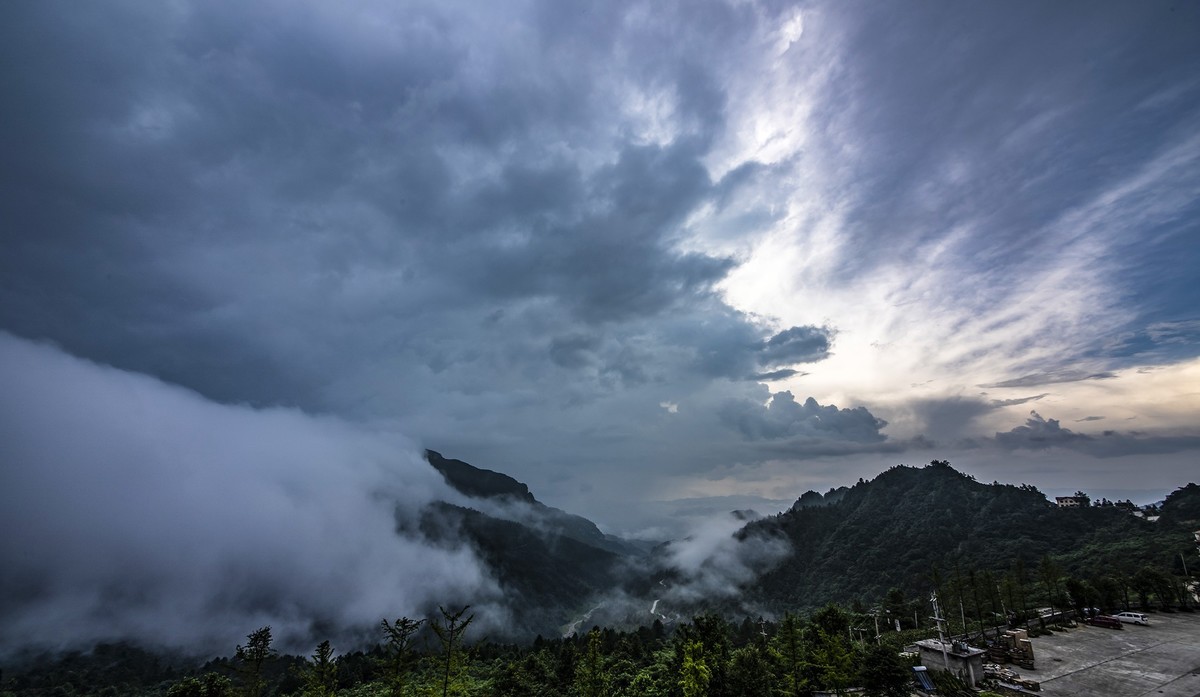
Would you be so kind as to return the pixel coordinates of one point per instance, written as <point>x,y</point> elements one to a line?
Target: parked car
<point>1105,621</point>
<point>1133,618</point>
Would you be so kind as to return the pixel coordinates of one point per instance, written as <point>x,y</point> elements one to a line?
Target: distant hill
<point>893,531</point>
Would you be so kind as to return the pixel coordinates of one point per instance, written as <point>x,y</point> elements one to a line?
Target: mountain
<point>478,483</point>
<point>550,563</point>
<point>901,530</point>
<point>908,524</point>
<point>486,485</point>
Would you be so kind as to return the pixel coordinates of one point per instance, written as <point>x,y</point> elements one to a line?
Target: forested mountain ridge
<point>549,563</point>
<point>910,528</point>
<point>910,525</point>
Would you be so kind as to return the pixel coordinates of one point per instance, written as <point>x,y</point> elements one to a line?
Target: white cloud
<point>147,513</point>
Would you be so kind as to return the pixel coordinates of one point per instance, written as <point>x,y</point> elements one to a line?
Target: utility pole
<point>937,618</point>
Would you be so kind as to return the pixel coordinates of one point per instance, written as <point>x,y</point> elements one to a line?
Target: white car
<point>1133,618</point>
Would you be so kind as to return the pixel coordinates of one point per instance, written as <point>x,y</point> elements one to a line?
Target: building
<point>1072,501</point>
<point>958,658</point>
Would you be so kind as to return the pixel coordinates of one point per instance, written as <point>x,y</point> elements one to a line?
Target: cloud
<point>486,238</point>
<point>774,375</point>
<point>149,514</point>
<point>796,345</point>
<point>784,417</point>
<point>1049,378</point>
<point>572,351</point>
<point>715,561</point>
<point>1017,400</point>
<point>538,233</point>
<point>1040,433</point>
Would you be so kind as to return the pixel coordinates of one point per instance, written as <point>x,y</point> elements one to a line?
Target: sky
<point>656,260</point>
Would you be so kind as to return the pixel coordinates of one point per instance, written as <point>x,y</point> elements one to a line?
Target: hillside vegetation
<point>913,528</point>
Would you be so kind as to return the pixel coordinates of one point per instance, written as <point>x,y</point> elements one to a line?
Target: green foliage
<point>529,676</point>
<point>791,649</point>
<point>211,685</point>
<point>591,678</point>
<point>890,533</point>
<point>751,671</point>
<point>450,632</point>
<point>320,673</point>
<point>398,655</point>
<point>695,674</point>
<point>884,673</point>
<point>832,659</point>
<point>1182,505</point>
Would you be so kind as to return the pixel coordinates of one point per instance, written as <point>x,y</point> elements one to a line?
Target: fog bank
<point>137,510</point>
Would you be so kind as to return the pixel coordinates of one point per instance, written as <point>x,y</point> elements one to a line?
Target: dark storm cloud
<point>1040,433</point>
<point>574,351</point>
<point>272,216</point>
<point>796,345</point>
<point>784,417</point>
<point>612,260</point>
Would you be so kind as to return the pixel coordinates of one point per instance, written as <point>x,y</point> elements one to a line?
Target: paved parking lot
<point>1162,659</point>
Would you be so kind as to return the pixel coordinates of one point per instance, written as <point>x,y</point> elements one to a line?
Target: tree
<point>1050,574</point>
<point>211,685</point>
<point>789,646</point>
<point>833,658</point>
<point>895,607</point>
<point>1108,592</point>
<point>591,679</point>
<point>712,632</point>
<point>398,655</point>
<point>450,635</point>
<point>320,674</point>
<point>695,674</point>
<point>884,674</point>
<point>1081,594</point>
<point>974,579</point>
<point>750,671</point>
<point>252,657</point>
<point>1021,579</point>
<point>1144,583</point>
